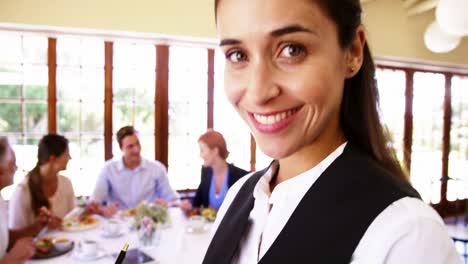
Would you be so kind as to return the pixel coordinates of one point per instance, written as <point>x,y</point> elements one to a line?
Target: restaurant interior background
<point>86,68</point>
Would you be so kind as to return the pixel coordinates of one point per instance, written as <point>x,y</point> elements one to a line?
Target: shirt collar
<point>121,165</point>
<point>297,186</point>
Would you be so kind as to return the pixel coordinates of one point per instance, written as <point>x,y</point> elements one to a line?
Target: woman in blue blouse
<point>216,175</point>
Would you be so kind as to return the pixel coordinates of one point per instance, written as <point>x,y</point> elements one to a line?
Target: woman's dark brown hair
<point>49,145</point>
<point>359,107</point>
<point>3,148</point>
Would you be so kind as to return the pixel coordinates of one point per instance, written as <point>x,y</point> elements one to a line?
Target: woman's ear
<point>52,158</point>
<point>216,149</point>
<point>355,53</point>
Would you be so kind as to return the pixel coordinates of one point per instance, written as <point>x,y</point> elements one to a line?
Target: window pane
<point>392,84</point>
<point>130,55</point>
<point>11,51</point>
<point>134,78</point>
<point>188,59</point>
<point>35,49</point>
<point>147,146</point>
<point>140,116</point>
<point>458,158</point>
<point>80,88</point>
<point>187,114</point>
<point>184,162</point>
<point>36,82</point>
<point>426,158</point>
<point>36,118</point>
<point>11,80</point>
<point>68,83</point>
<point>134,85</point>
<point>144,118</point>
<point>92,53</point>
<point>92,85</point>
<point>23,76</point>
<point>68,117</point>
<point>87,160</point>
<point>10,91</point>
<point>68,51</point>
<point>10,117</point>
<point>92,116</point>
<point>226,118</point>
<point>122,115</point>
<point>191,87</point>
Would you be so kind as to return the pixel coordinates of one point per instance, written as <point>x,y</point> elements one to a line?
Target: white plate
<point>82,227</point>
<point>77,254</point>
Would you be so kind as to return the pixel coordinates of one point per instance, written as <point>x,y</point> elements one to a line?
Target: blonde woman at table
<point>19,242</point>
<point>43,189</point>
<point>217,176</point>
<point>301,75</point>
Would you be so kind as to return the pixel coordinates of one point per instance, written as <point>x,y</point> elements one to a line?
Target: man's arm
<point>163,188</point>
<point>101,190</point>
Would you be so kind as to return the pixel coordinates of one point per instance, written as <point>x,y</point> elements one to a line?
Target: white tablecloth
<point>176,245</point>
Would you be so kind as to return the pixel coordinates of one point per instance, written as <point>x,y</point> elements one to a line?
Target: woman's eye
<point>236,56</point>
<point>292,51</point>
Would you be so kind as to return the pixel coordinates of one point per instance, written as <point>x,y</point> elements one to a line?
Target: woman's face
<point>207,154</point>
<point>285,71</point>
<point>62,160</point>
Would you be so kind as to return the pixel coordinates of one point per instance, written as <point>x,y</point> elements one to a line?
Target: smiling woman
<point>301,75</point>
<point>44,189</point>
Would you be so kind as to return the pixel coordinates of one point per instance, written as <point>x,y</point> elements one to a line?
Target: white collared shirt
<point>128,187</point>
<point>408,231</point>
<point>3,227</point>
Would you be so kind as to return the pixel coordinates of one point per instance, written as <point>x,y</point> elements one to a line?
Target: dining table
<point>176,242</point>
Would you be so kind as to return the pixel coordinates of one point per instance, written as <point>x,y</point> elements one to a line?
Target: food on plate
<point>44,245</point>
<point>129,212</point>
<point>80,222</point>
<point>209,214</point>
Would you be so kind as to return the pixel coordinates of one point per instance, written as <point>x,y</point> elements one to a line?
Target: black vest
<point>327,224</point>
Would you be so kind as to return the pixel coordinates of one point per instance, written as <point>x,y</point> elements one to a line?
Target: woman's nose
<point>261,87</point>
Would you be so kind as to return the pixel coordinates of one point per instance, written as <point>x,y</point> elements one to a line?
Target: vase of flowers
<point>147,232</point>
<point>147,220</point>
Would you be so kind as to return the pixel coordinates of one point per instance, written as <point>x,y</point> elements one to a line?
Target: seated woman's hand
<point>55,222</point>
<point>46,218</point>
<point>186,206</point>
<point>42,219</point>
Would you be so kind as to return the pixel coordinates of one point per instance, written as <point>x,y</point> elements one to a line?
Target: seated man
<point>131,179</point>
<point>16,246</point>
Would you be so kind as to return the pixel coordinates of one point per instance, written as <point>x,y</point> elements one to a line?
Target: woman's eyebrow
<point>295,28</point>
<point>227,42</point>
<point>275,33</point>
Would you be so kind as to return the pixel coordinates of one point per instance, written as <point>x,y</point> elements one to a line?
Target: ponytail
<point>38,197</point>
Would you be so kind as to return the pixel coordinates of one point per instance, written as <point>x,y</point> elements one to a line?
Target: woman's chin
<point>276,152</point>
